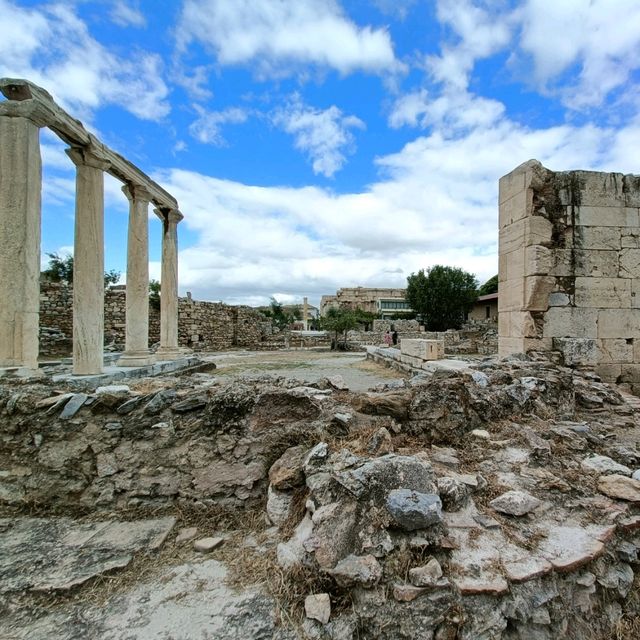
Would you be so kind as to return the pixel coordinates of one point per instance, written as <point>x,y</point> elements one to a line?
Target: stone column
<point>20,205</point>
<point>137,352</point>
<point>305,314</point>
<point>169,349</point>
<point>88,263</point>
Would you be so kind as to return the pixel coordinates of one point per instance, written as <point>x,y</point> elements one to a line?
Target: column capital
<point>86,156</point>
<point>29,109</point>
<point>169,215</point>
<point>136,192</point>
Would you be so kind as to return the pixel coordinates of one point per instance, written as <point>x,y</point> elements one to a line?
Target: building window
<point>487,311</point>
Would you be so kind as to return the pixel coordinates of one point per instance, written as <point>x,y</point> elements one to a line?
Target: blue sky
<point>315,144</point>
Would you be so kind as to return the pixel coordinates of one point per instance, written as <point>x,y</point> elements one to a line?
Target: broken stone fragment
<point>453,492</point>
<point>363,570</point>
<point>278,506</point>
<point>412,510</point>
<point>621,487</point>
<point>337,382</point>
<point>73,406</point>
<point>407,592</point>
<point>604,465</point>
<point>287,472</point>
<point>205,545</point>
<point>481,434</point>
<point>380,442</point>
<point>318,607</point>
<point>112,394</point>
<point>160,401</point>
<point>636,475</point>
<point>515,503</point>
<point>426,575</point>
<point>186,534</point>
<point>190,404</point>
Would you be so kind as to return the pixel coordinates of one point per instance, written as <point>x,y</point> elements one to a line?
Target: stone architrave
<point>137,352</point>
<point>20,210</point>
<point>169,286</point>
<point>88,262</point>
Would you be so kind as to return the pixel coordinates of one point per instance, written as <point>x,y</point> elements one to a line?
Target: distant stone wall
<point>210,326</point>
<point>570,268</point>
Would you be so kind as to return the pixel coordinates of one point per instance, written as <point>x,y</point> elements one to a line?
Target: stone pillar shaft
<point>88,263</point>
<point>169,287</point>
<point>137,311</point>
<point>20,211</point>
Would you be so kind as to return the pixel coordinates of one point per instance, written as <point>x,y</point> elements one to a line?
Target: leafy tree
<point>60,269</point>
<point>280,316</point>
<point>442,296</point>
<point>339,321</point>
<point>490,286</point>
<point>154,294</point>
<point>364,317</point>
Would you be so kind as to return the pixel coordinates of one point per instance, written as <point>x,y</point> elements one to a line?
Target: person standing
<point>394,337</point>
<point>387,338</point>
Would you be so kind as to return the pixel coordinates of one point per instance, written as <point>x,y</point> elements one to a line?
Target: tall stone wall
<point>202,325</point>
<point>570,268</point>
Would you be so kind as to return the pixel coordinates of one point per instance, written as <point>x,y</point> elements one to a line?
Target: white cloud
<point>279,37</point>
<point>600,37</point>
<point>436,203</point>
<point>395,8</point>
<point>207,128</point>
<point>323,134</point>
<point>52,47</point>
<point>127,14</point>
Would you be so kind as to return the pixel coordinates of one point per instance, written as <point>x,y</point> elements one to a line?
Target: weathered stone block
<point>618,323</point>
<point>536,292</point>
<point>516,324</point>
<point>512,265</point>
<point>519,206</point>
<point>615,350</point>
<point>609,372</point>
<point>592,263</point>
<point>559,299</point>
<point>512,184</point>
<point>511,296</point>
<point>538,260</point>
<point>603,293</point>
<point>524,233</point>
<point>630,373</point>
<point>577,351</point>
<point>630,263</point>
<point>608,238</point>
<point>422,349</point>
<point>607,216</point>
<point>570,322</point>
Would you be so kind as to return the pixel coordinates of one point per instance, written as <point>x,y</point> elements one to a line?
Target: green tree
<point>490,286</point>
<point>60,269</point>
<point>339,321</point>
<point>364,317</point>
<point>442,296</point>
<point>154,294</point>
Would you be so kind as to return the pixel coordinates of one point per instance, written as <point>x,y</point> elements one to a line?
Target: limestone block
<point>630,263</point>
<point>630,239</point>
<point>422,349</point>
<point>630,373</point>
<point>616,350</point>
<point>598,238</point>
<point>559,299</point>
<point>512,265</point>
<point>524,233</point>
<point>562,263</point>
<point>618,323</point>
<point>601,189</point>
<point>519,206</point>
<point>577,351</point>
<point>593,263</point>
<point>603,293</point>
<point>536,292</point>
<point>609,372</point>
<point>508,346</point>
<point>516,324</point>
<point>571,322</point>
<point>538,260</point>
<point>512,184</point>
<point>511,295</point>
<point>607,216</point>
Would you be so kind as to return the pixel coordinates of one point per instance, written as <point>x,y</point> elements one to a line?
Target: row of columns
<point>20,232</point>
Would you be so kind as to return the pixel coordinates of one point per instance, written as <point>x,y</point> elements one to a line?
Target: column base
<point>136,359</point>
<point>169,353</point>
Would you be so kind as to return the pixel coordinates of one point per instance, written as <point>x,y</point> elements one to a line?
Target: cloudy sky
<point>315,144</point>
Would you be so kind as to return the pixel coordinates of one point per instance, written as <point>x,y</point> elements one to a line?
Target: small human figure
<point>394,337</point>
<point>387,338</point>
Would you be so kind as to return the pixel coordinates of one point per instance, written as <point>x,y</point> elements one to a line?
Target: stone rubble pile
<point>497,500</point>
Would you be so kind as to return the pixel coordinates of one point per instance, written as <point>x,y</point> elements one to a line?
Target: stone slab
<point>38,554</point>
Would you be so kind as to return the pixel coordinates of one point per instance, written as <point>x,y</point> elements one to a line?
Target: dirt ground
<point>310,365</point>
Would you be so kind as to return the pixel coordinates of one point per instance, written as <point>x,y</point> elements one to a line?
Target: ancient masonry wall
<point>570,268</point>
<point>201,325</point>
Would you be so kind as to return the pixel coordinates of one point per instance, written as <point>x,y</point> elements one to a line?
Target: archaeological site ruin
<point>216,479</point>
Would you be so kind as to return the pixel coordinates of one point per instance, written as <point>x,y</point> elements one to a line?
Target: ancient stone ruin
<point>570,268</point>
<point>29,108</point>
<point>480,498</point>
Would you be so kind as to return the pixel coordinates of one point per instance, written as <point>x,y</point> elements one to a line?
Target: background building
<point>383,302</point>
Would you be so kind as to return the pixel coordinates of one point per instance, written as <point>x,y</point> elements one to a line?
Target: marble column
<point>20,206</point>
<point>137,352</point>
<point>169,349</point>
<point>88,263</point>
